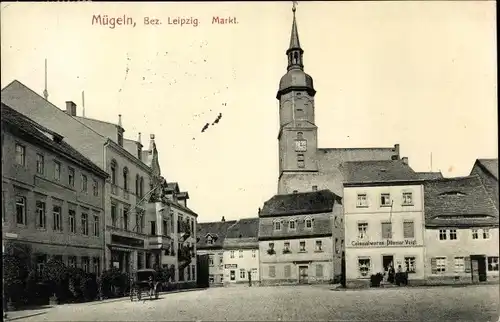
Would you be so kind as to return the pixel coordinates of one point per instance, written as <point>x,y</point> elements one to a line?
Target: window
<point>210,240</point>
<point>295,191</point>
<point>96,225</point>
<point>84,183</point>
<point>137,185</point>
<point>442,234</point>
<point>165,228</point>
<point>291,224</point>
<point>85,264</point>
<point>56,212</point>
<point>319,270</point>
<point>407,199</point>
<point>475,234</point>
<point>96,261</point>
<point>85,224</point>
<point>364,267</point>
<point>302,246</point>
<point>231,254</point>
<point>486,233</point>
<point>211,279</point>
<point>125,219</point>
<point>319,246</point>
<point>386,230</point>
<point>242,273</point>
<point>277,225</point>
<point>272,271</point>
<point>125,179</point>
<point>113,215</point>
<point>72,261</point>
<point>438,265</point>
<point>211,260</point>
<point>308,223</point>
<point>20,210</point>
<point>410,263</point>
<point>153,227</point>
<point>72,221</point>
<point>254,253</point>
<point>41,260</point>
<point>113,167</point>
<point>453,234</point>
<point>57,171</point>
<point>286,247</point>
<point>95,187</point>
<point>41,219</point>
<point>288,271</point>
<point>71,177</point>
<point>459,264</point>
<point>141,187</point>
<point>314,188</point>
<point>300,160</point>
<point>493,263</point>
<point>362,229</point>
<point>408,229</point>
<point>221,258</point>
<point>385,200</point>
<point>20,154</point>
<point>362,201</point>
<point>40,164</point>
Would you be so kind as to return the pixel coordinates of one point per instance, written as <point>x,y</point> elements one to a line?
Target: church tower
<point>297,136</point>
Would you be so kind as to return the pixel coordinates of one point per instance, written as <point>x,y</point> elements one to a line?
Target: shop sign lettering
<point>385,243</point>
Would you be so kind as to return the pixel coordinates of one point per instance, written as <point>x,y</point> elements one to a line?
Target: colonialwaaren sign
<point>385,243</point>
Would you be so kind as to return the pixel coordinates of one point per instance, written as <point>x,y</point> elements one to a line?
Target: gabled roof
<point>377,171</point>
<point>300,203</point>
<point>47,137</point>
<point>173,186</point>
<point>243,234</point>
<point>429,175</point>
<point>461,201</point>
<point>489,165</point>
<point>215,229</point>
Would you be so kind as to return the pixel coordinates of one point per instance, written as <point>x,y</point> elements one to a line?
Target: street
<point>293,303</point>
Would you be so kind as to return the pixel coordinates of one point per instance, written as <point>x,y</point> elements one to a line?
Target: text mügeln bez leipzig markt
<point>117,21</point>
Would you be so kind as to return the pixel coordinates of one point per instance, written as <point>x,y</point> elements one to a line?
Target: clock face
<point>300,145</point>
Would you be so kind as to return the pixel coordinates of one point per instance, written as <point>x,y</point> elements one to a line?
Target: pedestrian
<point>250,278</point>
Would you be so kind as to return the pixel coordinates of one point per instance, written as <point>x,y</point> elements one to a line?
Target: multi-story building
<point>487,171</point>
<point>384,221</point>
<point>52,196</point>
<point>241,252</point>
<point>210,241</point>
<point>295,238</point>
<point>126,190</point>
<point>461,231</point>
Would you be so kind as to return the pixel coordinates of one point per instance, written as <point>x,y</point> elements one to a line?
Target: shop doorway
<point>303,274</point>
<point>232,275</point>
<point>478,268</point>
<point>387,261</point>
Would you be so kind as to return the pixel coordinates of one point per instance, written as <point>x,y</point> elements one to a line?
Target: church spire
<point>295,52</point>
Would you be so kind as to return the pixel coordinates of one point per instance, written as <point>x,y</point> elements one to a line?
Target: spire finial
<point>45,91</point>
<point>294,7</point>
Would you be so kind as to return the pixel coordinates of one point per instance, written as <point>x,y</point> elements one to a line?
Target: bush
<point>55,278</point>
<point>15,275</point>
<point>88,287</point>
<point>75,277</point>
<point>113,283</point>
<point>375,279</point>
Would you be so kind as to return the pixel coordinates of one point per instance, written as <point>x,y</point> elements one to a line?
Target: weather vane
<point>294,6</point>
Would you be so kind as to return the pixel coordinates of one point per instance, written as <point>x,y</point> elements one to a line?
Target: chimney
<point>223,219</point>
<point>405,160</point>
<point>151,143</point>
<point>120,120</point>
<point>71,108</point>
<point>139,138</point>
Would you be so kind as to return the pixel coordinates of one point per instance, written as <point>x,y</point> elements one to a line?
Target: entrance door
<point>478,268</point>
<point>387,260</point>
<point>232,275</point>
<point>303,274</point>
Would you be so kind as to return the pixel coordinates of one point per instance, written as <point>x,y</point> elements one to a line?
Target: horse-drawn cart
<point>144,280</point>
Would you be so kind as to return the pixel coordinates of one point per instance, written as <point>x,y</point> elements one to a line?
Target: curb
<point>24,316</point>
<point>127,298</point>
<point>410,287</point>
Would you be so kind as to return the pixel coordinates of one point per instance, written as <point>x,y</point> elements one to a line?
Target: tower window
<point>300,161</point>
<point>295,58</point>
<point>300,135</point>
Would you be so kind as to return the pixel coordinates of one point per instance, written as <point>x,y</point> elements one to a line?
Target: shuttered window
<point>386,230</point>
<point>288,271</point>
<point>408,229</point>
<point>272,271</point>
<point>438,265</point>
<point>467,264</point>
<point>319,270</point>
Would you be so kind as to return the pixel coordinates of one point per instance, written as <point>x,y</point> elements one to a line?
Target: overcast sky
<point>421,74</point>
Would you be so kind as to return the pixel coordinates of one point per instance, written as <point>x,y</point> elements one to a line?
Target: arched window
<point>136,184</point>
<point>141,187</point>
<point>300,135</point>
<point>113,167</point>
<point>125,179</point>
<point>295,58</point>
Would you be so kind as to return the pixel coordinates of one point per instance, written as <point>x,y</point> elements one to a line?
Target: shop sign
<point>229,266</point>
<point>385,243</point>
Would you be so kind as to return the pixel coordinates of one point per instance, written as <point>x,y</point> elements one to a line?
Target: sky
<point>421,74</point>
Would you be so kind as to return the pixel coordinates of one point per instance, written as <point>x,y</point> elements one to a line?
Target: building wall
<point>215,265</point>
<point>241,261</point>
<point>180,214</point>
<point>286,265</point>
<point>373,245</point>
<point>463,246</point>
<point>18,180</point>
